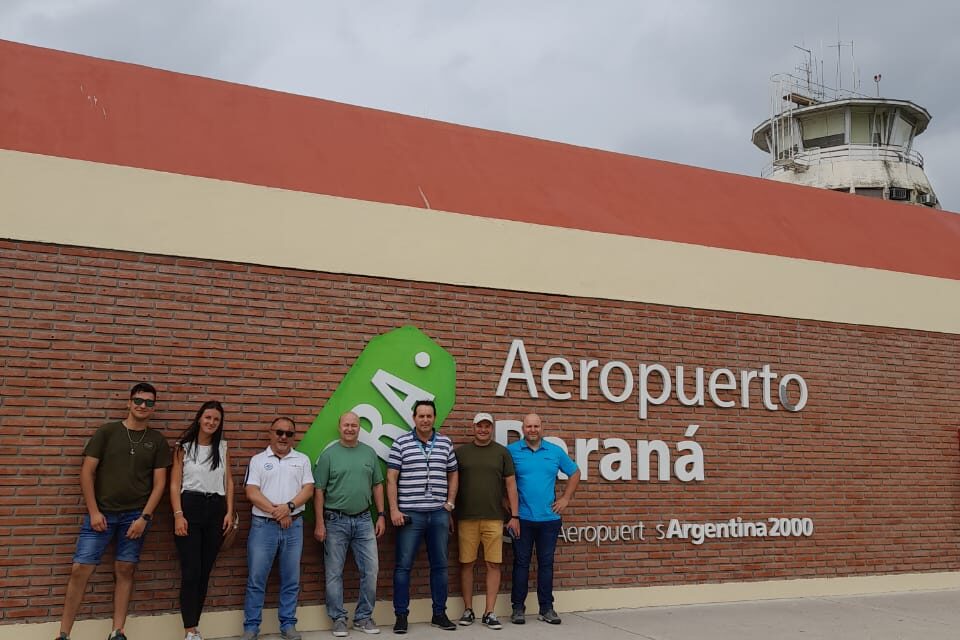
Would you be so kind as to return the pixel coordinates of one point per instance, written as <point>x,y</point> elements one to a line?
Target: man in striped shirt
<point>422,488</point>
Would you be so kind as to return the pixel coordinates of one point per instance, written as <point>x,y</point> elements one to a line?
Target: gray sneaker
<point>250,635</point>
<point>549,616</point>
<point>367,626</point>
<point>340,628</point>
<point>518,617</point>
<point>290,633</point>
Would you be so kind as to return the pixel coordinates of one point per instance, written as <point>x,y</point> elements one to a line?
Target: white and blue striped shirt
<point>422,483</point>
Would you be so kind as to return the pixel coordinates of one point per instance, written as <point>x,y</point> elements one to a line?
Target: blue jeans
<point>434,526</point>
<point>543,535</point>
<point>357,534</point>
<point>266,542</point>
<point>91,544</point>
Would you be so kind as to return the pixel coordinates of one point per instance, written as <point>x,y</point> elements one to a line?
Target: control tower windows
<point>902,130</point>
<point>824,130</point>
<point>860,127</point>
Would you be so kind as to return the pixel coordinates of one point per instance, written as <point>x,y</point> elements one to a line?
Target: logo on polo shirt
<point>393,371</point>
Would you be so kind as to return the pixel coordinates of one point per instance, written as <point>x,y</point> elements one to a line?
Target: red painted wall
<point>60,104</point>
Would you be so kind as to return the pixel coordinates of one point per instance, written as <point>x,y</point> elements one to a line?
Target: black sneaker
<point>117,635</point>
<point>443,622</point>
<point>400,626</point>
<point>62,636</point>
<point>490,621</point>
<point>518,617</point>
<point>467,618</point>
<point>549,616</point>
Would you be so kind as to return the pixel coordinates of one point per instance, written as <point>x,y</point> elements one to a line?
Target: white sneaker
<point>193,635</point>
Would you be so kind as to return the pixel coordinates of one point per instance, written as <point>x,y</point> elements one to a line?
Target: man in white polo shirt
<point>279,482</point>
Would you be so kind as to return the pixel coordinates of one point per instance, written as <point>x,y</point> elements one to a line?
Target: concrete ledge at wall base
<point>717,593</point>
<point>227,624</point>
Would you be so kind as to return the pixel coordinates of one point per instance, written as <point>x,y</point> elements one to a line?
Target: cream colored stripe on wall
<point>63,201</point>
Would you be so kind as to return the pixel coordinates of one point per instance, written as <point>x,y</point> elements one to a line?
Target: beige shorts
<point>472,533</point>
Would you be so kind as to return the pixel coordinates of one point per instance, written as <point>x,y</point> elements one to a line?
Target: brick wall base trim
<point>225,624</point>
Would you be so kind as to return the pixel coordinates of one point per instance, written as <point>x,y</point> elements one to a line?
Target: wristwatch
<point>291,506</point>
<point>381,514</point>
<point>147,516</point>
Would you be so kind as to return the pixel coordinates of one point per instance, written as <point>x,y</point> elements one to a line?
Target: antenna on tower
<point>839,47</point>
<point>806,68</point>
<point>854,70</point>
<point>877,79</point>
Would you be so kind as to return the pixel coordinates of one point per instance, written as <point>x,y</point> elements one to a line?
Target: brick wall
<point>873,458</point>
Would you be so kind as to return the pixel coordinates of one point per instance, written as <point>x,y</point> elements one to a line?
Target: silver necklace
<point>133,442</point>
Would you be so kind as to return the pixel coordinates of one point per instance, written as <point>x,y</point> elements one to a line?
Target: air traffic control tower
<point>844,140</point>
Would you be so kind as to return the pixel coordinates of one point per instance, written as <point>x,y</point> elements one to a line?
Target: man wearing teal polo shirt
<point>537,463</point>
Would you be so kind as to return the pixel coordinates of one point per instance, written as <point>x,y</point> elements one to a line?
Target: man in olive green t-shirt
<point>122,478</point>
<point>486,476</point>
<point>347,475</point>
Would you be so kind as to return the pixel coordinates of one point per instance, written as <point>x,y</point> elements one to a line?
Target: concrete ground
<point>926,615</point>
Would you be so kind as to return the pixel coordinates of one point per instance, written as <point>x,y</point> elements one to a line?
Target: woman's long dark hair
<point>192,434</point>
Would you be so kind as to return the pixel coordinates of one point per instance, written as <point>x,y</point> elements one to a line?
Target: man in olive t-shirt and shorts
<point>122,477</point>
<point>486,476</point>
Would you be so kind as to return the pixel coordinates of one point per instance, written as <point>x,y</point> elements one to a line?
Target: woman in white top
<point>201,494</point>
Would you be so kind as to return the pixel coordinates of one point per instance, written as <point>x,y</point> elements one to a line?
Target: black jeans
<point>198,550</point>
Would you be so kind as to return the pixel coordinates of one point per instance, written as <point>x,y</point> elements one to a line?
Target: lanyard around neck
<point>427,452</point>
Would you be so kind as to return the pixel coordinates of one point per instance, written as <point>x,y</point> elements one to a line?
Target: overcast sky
<point>678,80</point>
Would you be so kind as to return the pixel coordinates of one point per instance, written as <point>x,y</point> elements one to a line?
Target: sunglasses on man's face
<point>140,401</point>
<point>280,433</point>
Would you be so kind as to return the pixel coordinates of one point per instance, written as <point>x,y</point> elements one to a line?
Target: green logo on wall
<point>392,372</point>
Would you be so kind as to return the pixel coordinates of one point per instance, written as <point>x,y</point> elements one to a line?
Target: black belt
<point>201,494</point>
<point>344,513</point>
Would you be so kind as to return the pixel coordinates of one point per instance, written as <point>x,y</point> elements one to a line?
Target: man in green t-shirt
<point>486,477</point>
<point>347,474</point>
<point>122,477</point>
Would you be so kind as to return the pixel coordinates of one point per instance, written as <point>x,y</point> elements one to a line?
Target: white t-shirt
<point>197,474</point>
<point>279,479</point>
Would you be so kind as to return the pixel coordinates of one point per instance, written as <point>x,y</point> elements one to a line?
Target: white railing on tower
<point>865,152</point>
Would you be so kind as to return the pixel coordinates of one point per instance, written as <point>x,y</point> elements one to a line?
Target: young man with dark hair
<point>122,477</point>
